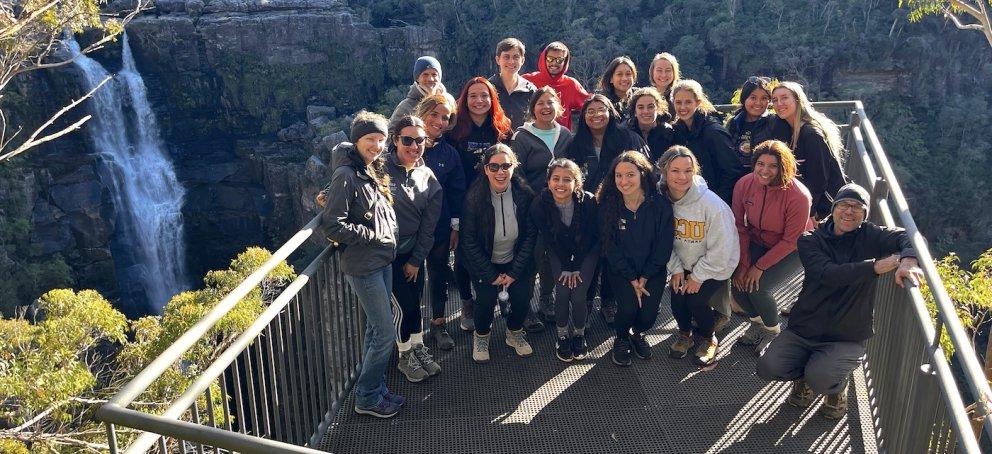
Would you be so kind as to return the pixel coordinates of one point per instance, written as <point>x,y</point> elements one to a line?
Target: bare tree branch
<point>34,141</point>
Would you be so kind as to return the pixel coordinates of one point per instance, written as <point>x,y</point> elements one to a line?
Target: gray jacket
<point>535,156</point>
<point>357,215</point>
<point>417,199</point>
<point>413,97</point>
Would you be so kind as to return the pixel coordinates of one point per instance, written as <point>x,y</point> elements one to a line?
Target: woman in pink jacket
<point>771,208</point>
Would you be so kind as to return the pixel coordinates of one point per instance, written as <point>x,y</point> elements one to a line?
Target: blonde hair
<point>808,114</point>
<point>705,106</point>
<point>675,69</point>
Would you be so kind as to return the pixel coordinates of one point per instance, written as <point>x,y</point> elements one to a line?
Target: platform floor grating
<point>540,404</point>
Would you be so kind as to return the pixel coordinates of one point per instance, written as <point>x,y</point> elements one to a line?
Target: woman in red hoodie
<point>771,208</point>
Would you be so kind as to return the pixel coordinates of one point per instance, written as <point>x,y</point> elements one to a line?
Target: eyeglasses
<point>555,60</point>
<point>407,140</point>
<point>493,167</point>
<point>852,207</point>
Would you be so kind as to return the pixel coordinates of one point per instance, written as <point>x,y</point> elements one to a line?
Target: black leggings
<point>520,292</point>
<point>631,314</point>
<point>571,303</point>
<point>406,300</point>
<point>438,264</point>
<point>686,307</point>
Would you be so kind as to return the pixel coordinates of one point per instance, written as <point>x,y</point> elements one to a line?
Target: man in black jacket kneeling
<point>833,318</point>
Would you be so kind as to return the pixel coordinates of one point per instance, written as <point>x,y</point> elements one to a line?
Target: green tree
<point>30,32</point>
<point>959,12</point>
<point>75,351</point>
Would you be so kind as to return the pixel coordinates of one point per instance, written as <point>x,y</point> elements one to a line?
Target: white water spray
<point>151,257</point>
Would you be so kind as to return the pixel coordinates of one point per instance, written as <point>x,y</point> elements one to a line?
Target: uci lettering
<point>690,230</point>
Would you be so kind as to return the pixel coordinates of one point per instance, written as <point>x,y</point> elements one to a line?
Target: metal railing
<point>283,379</point>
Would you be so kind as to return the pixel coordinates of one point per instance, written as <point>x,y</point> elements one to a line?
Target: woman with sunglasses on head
<point>442,158</point>
<point>417,200</point>
<point>565,218</point>
<point>664,72</point>
<point>479,124</point>
<point>704,255</point>
<point>750,124</point>
<point>617,83</point>
<point>536,144</point>
<point>636,236</point>
<point>497,243</point>
<point>649,118</point>
<point>700,132</point>
<point>815,141</point>
<point>771,208</point>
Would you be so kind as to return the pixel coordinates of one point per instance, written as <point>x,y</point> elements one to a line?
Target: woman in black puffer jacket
<point>496,248</point>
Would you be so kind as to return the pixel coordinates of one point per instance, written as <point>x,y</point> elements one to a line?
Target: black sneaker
<point>563,349</point>
<point>641,347</point>
<point>621,352</point>
<point>580,348</point>
<point>533,324</point>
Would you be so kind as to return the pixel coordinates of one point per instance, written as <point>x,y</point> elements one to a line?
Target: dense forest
<point>926,85</point>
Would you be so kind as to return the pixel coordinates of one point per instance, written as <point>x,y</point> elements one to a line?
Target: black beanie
<point>853,192</point>
<point>360,128</point>
<point>751,84</point>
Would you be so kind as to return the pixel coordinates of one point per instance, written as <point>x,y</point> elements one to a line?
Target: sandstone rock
<point>315,112</point>
<point>296,132</point>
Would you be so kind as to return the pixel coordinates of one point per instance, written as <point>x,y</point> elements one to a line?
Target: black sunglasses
<point>407,140</point>
<point>493,167</point>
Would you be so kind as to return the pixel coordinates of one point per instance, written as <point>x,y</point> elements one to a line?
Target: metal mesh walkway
<point>540,404</point>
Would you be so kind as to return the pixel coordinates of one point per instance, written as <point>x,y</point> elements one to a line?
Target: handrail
<point>114,413</point>
<point>963,350</point>
<point>167,358</point>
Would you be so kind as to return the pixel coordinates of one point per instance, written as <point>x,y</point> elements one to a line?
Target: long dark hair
<point>609,196</point>
<point>582,143</point>
<point>463,119</point>
<point>606,80</point>
<point>579,195</point>
<point>478,193</point>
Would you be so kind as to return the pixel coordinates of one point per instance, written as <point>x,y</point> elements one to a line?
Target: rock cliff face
<point>247,94</point>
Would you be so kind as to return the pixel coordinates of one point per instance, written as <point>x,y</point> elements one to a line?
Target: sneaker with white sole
<point>480,348</point>
<point>426,360</point>
<point>410,366</point>
<point>519,343</point>
<point>384,409</point>
<point>563,348</point>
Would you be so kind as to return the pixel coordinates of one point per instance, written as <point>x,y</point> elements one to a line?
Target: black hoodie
<point>837,302</point>
<point>572,243</point>
<point>746,135</point>
<point>710,142</point>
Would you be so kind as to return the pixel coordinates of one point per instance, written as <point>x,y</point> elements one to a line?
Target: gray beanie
<point>426,62</point>
<point>853,192</point>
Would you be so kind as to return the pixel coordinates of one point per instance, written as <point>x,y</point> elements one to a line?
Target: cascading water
<point>149,249</point>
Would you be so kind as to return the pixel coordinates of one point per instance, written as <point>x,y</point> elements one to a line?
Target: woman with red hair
<point>479,124</point>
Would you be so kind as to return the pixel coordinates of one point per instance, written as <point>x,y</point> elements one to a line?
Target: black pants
<point>406,300</point>
<point>570,304</point>
<point>631,314</point>
<point>686,307</point>
<point>463,279</point>
<point>545,276</point>
<point>485,302</point>
<point>438,264</point>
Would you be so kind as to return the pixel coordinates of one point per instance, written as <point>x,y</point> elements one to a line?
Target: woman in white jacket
<point>704,255</point>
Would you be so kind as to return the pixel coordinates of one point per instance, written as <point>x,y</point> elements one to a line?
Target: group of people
<point>649,191</point>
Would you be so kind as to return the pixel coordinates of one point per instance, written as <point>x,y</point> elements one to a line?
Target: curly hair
<point>463,120</point>
<point>660,105</point>
<point>783,155</point>
<point>609,198</point>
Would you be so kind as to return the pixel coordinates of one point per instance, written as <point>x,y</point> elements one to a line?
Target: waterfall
<point>149,249</point>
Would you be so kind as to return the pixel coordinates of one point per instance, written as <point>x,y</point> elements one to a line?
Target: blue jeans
<point>373,292</point>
